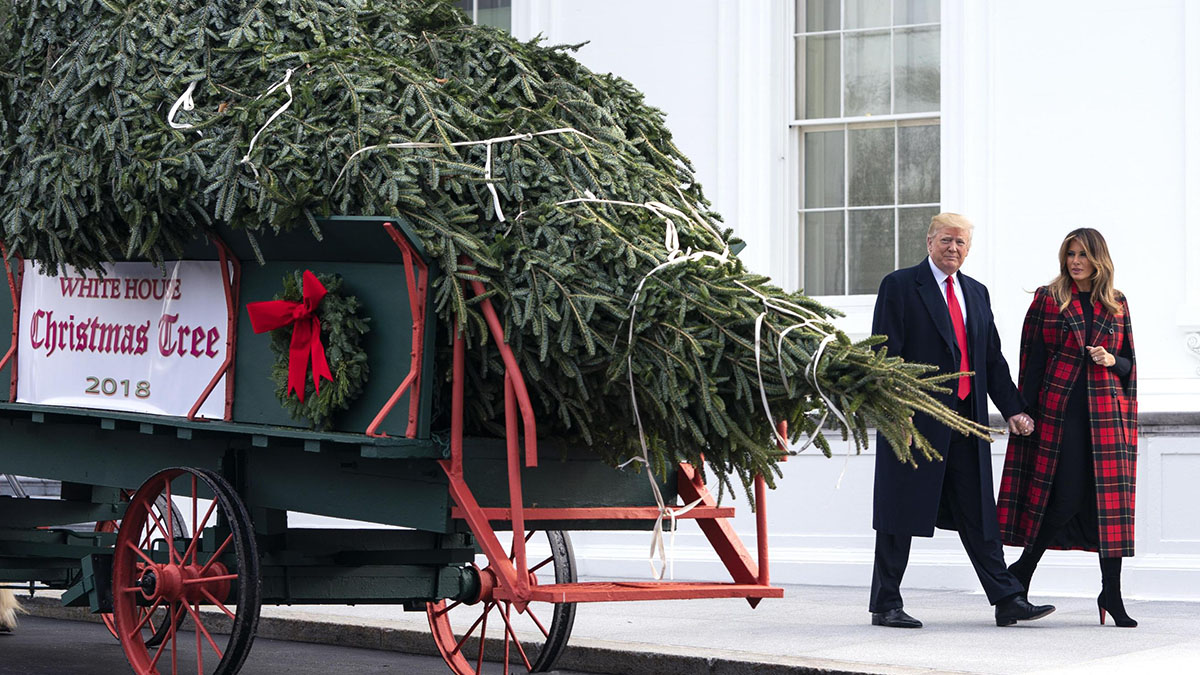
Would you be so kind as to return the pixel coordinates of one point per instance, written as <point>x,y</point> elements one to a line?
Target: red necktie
<point>960,334</point>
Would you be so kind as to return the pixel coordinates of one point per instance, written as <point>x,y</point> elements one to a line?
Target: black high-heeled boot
<point>1109,599</point>
<point>1024,567</point>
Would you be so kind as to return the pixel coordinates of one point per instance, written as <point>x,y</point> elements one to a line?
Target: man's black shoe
<point>896,618</point>
<point>1017,608</point>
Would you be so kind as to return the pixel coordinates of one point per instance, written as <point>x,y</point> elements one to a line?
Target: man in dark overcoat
<point>931,313</point>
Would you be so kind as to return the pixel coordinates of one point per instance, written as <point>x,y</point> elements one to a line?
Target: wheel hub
<point>172,583</point>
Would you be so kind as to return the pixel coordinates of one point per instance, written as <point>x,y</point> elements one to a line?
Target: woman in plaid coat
<point>1070,485</point>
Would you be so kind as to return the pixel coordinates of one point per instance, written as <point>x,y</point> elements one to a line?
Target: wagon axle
<point>193,584</point>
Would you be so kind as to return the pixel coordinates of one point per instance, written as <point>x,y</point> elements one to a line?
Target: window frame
<point>473,11</point>
<point>798,128</point>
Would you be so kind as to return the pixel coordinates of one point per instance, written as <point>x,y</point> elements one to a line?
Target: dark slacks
<point>961,496</point>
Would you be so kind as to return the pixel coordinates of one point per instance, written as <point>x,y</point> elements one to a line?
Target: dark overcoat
<point>911,311</point>
<point>1112,406</point>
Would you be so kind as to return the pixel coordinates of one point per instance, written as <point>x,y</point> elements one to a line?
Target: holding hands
<point>1101,356</point>
<point>1020,424</point>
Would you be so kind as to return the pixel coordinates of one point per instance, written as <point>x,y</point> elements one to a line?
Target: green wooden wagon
<point>191,530</point>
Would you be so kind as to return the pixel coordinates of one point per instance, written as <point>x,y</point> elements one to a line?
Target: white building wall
<point>1088,119</point>
<point>1055,116</point>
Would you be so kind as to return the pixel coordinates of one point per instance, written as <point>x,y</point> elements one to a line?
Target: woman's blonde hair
<point>1096,250</point>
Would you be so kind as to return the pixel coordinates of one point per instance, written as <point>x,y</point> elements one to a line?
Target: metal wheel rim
<point>458,639</point>
<point>187,581</point>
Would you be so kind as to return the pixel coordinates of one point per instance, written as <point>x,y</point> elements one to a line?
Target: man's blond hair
<point>943,220</point>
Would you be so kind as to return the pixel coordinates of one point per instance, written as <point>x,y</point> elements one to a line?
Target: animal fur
<point>9,608</point>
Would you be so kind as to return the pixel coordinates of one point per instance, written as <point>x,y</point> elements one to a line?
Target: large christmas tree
<point>129,126</point>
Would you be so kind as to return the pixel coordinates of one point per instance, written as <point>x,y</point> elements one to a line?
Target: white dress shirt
<point>940,277</point>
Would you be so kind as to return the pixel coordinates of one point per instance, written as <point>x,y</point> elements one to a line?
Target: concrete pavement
<point>813,629</point>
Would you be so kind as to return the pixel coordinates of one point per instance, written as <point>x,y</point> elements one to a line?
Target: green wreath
<point>342,330</point>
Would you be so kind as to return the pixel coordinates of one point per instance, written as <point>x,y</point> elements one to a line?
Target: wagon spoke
<point>541,564</point>
<point>149,532</point>
<point>172,554</point>
<point>200,646</point>
<point>216,554</point>
<point>447,608</point>
<point>195,506</point>
<point>220,605</point>
<point>198,529</point>
<point>142,623</point>
<point>201,629</point>
<point>482,618</point>
<point>483,636</point>
<point>141,554</point>
<point>512,553</point>
<point>510,632</point>
<point>163,646</point>
<point>170,526</point>
<point>208,580</point>
<point>531,615</point>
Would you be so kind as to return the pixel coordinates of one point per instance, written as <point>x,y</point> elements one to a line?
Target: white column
<point>1189,314</point>
<point>752,132</point>
<point>968,178</point>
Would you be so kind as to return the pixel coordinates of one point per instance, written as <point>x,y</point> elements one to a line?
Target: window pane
<point>918,69</point>
<point>872,166</point>
<point>824,253</point>
<point>920,163</point>
<point>872,249</point>
<point>914,224</point>
<point>917,11</point>
<point>821,66</point>
<point>817,15</point>
<point>467,6</point>
<point>868,74</point>
<point>868,13</point>
<point>495,13</point>
<point>824,169</point>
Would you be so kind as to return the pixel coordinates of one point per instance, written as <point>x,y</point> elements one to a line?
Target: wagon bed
<point>191,513</point>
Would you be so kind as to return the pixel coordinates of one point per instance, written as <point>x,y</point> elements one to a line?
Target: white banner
<point>140,338</point>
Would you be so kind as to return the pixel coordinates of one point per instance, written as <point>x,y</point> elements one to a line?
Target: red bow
<point>306,333</point>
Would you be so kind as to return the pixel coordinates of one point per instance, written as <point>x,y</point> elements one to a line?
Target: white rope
<point>487,176</point>
<point>762,388</point>
<point>185,102</point>
<point>675,256</point>
<point>783,374</point>
<point>818,323</point>
<point>287,87</point>
<point>487,142</point>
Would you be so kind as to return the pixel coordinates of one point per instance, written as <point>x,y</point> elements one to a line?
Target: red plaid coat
<point>1031,461</point>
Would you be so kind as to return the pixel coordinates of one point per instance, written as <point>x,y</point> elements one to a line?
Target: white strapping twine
<point>807,318</point>
<point>186,103</point>
<point>675,256</point>
<point>487,166</point>
<point>287,87</point>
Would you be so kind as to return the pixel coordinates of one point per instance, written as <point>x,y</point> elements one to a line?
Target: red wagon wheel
<point>468,634</point>
<point>156,626</point>
<point>156,567</point>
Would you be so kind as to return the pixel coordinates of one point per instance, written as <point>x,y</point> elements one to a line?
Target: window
<point>495,13</point>
<point>867,125</point>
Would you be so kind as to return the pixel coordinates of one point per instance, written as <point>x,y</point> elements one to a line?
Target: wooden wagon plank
<point>614,591</point>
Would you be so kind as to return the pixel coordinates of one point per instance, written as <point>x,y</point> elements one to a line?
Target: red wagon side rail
<point>750,577</point>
